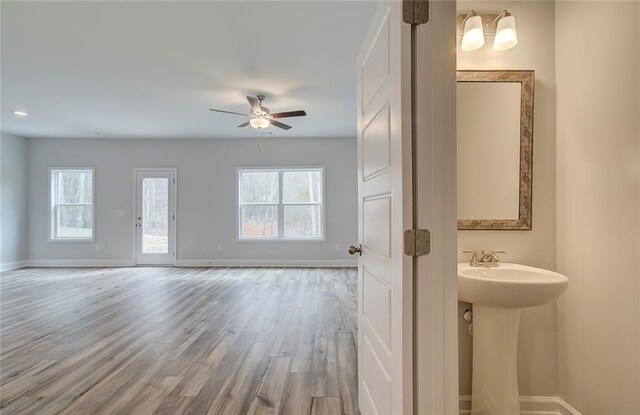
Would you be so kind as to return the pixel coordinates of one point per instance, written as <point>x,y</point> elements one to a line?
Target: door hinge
<point>417,242</point>
<point>174,181</point>
<point>415,11</point>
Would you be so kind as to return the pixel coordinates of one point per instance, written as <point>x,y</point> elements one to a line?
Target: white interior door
<point>155,220</point>
<point>385,384</point>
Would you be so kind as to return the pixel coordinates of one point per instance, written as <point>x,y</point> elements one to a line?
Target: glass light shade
<point>506,34</point>
<point>473,34</point>
<point>259,123</point>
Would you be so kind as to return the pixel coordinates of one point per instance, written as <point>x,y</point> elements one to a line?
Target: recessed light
<point>18,113</point>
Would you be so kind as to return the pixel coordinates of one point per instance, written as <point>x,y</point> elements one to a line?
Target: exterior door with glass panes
<point>155,219</point>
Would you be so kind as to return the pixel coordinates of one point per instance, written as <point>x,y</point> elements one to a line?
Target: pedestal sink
<point>497,294</point>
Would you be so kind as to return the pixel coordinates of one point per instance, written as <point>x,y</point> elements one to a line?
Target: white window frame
<point>53,204</point>
<point>280,205</point>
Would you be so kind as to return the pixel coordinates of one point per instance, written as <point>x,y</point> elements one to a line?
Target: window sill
<point>281,240</point>
<point>71,240</point>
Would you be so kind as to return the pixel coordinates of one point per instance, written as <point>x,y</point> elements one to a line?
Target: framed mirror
<point>495,149</point>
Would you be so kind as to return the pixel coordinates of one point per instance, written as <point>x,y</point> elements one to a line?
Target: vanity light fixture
<point>506,34</point>
<point>473,34</point>
<point>19,113</point>
<point>474,27</point>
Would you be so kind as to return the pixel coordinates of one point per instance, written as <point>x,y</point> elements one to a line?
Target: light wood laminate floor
<point>178,341</point>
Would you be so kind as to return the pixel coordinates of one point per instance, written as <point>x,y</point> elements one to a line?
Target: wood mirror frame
<point>527,83</point>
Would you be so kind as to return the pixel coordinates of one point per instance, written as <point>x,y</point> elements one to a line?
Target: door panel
<point>377,62</point>
<point>376,305</point>
<point>378,381</point>
<point>376,143</point>
<point>376,224</point>
<point>384,273</point>
<point>155,217</point>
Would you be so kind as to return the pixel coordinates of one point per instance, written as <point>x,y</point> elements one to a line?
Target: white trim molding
<point>8,266</point>
<point>79,263</point>
<point>280,263</point>
<point>531,405</point>
<point>248,263</point>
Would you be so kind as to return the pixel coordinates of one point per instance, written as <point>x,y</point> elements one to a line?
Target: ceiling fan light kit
<point>260,117</point>
<point>259,123</point>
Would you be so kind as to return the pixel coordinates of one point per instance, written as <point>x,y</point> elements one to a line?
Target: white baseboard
<point>280,263</point>
<point>7,266</point>
<point>79,263</point>
<point>530,405</point>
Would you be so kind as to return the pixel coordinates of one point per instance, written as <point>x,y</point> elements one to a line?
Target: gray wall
<point>206,196</point>
<point>13,206</point>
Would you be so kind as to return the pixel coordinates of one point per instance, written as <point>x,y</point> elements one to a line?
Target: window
<point>72,213</point>
<point>281,204</point>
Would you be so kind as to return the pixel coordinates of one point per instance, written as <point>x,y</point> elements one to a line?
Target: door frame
<point>134,210</point>
<point>435,194</point>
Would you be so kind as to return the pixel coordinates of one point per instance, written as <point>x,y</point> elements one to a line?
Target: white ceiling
<point>152,69</point>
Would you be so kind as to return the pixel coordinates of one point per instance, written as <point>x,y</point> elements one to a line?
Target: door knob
<point>353,249</point>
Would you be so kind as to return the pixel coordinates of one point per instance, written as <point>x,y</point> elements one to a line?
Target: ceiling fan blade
<point>280,125</point>
<point>255,104</point>
<point>229,112</point>
<point>299,113</point>
<point>244,124</point>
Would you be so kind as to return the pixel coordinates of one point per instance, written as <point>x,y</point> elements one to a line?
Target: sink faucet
<point>482,259</point>
<point>475,257</point>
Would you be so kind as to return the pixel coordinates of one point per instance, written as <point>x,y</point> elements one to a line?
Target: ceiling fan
<point>260,117</point>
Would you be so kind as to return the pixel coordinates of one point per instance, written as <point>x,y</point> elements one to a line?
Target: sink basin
<point>498,294</point>
<point>509,285</point>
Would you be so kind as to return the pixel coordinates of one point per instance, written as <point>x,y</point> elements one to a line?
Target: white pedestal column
<point>495,370</point>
